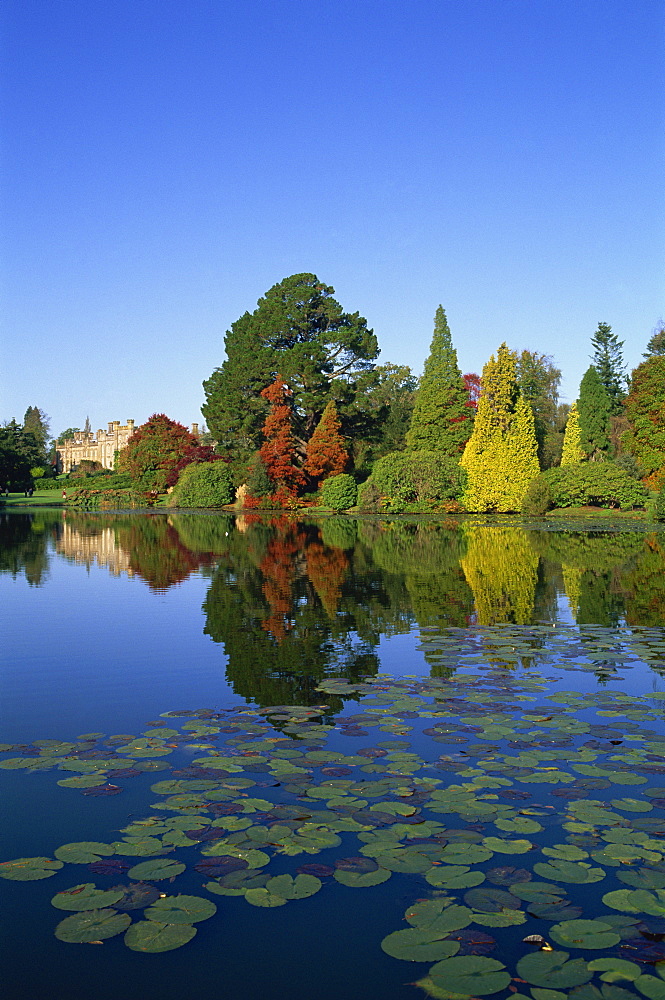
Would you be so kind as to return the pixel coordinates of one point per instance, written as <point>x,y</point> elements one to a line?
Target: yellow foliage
<point>572,453</point>
<point>501,567</point>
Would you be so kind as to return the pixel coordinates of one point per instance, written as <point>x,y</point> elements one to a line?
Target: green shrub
<point>203,484</point>
<point>538,499</point>
<point>600,484</point>
<point>109,499</point>
<point>258,483</point>
<point>339,492</point>
<point>370,497</point>
<point>417,480</point>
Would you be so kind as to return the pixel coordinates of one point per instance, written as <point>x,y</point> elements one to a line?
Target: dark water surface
<point>465,707</point>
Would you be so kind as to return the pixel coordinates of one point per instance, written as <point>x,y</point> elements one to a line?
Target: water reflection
<point>292,601</point>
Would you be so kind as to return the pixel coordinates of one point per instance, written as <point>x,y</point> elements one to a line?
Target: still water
<point>447,729</point>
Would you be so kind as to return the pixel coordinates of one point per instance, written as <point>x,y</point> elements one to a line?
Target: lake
<point>250,756</point>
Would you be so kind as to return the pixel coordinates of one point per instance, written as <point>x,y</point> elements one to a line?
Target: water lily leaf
<point>584,934</point>
<point>489,900</point>
<point>561,910</point>
<point>83,853</point>
<point>454,877</point>
<point>299,887</point>
<point>29,869</point>
<point>261,897</point>
<point>565,852</point>
<point>92,925</point>
<point>636,901</point>
<point>553,970</point>
<point>109,866</point>
<point>615,969</point>
<point>138,848</point>
<point>470,975</point>
<point>181,909</point>
<point>642,878</point>
<point>465,854</point>
<point>156,870</point>
<point>253,857</point>
<point>520,824</point>
<point>498,846</point>
<point>85,897</point>
<point>506,918</point>
<point>414,945</point>
<point>136,896</point>
<point>507,875</point>
<point>218,867</point>
<point>651,987</point>
<point>152,936</point>
<point>361,880</point>
<point>569,871</point>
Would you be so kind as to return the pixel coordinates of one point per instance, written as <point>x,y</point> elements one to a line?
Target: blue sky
<point>164,163</point>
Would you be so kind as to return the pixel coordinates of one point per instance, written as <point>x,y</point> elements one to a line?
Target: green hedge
<point>598,484</point>
<point>203,484</point>
<point>411,480</point>
<point>108,499</point>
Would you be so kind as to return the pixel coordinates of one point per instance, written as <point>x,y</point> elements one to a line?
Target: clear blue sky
<point>165,162</point>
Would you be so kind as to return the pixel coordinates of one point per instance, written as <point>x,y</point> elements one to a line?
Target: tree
<point>656,345</point>
<point>326,452</point>
<point>572,453</point>
<point>539,380</point>
<point>595,409</point>
<point>608,361</point>
<point>442,419</point>
<point>36,423</point>
<point>377,420</point>
<point>301,331</point>
<point>277,451</point>
<point>645,410</point>
<point>87,429</point>
<point>472,383</point>
<point>159,450</point>
<point>67,435</point>
<point>14,464</point>
<point>500,457</point>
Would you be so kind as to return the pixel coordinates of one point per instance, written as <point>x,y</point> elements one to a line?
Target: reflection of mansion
<point>100,447</point>
<point>88,549</point>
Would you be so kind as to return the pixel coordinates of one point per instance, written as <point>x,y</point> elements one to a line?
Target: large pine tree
<point>608,361</point>
<point>595,409</point>
<point>442,419</point>
<point>500,457</point>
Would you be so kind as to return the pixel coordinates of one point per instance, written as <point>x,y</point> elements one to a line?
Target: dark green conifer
<point>608,361</point>
<point>442,418</point>
<point>595,410</point>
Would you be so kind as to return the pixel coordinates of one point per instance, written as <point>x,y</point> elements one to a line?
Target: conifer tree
<point>500,457</point>
<point>608,361</point>
<point>326,454</point>
<point>573,452</point>
<point>595,410</point>
<point>442,419</point>
<point>656,345</point>
<point>278,451</point>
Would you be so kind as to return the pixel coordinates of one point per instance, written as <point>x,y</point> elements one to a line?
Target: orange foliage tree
<point>278,449</point>
<point>326,454</point>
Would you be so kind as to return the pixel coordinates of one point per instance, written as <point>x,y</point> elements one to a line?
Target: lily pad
<point>181,909</point>
<point>92,925</point>
<point>29,869</point>
<point>470,975</point>
<point>414,945</point>
<point>553,970</point>
<point>361,880</point>
<point>584,934</point>
<point>152,936</point>
<point>85,897</point>
<point>83,853</point>
<point>156,870</point>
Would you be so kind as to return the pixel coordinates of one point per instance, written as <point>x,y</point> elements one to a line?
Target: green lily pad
<point>29,869</point>
<point>262,897</point>
<point>84,852</point>
<point>92,925</point>
<point>414,945</point>
<point>569,871</point>
<point>489,900</point>
<point>86,897</point>
<point>454,877</point>
<point>615,969</point>
<point>361,880</point>
<point>642,878</point>
<point>507,846</point>
<point>584,934</point>
<point>651,987</point>
<point>152,936</point>
<point>470,975</point>
<point>181,909</point>
<point>299,887</point>
<point>156,870</point>
<point>553,970</point>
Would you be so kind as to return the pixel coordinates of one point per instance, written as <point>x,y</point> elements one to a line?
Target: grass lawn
<point>40,498</point>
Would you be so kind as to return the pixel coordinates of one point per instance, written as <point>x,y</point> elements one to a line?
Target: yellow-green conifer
<point>572,453</point>
<point>500,457</point>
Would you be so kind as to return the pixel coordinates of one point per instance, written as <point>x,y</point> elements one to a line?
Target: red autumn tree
<point>278,449</point>
<point>159,450</point>
<point>472,383</point>
<point>326,454</point>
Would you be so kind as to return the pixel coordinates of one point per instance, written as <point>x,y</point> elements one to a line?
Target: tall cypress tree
<point>326,452</point>
<point>608,361</point>
<point>595,409</point>
<point>500,457</point>
<point>572,452</point>
<point>442,420</point>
